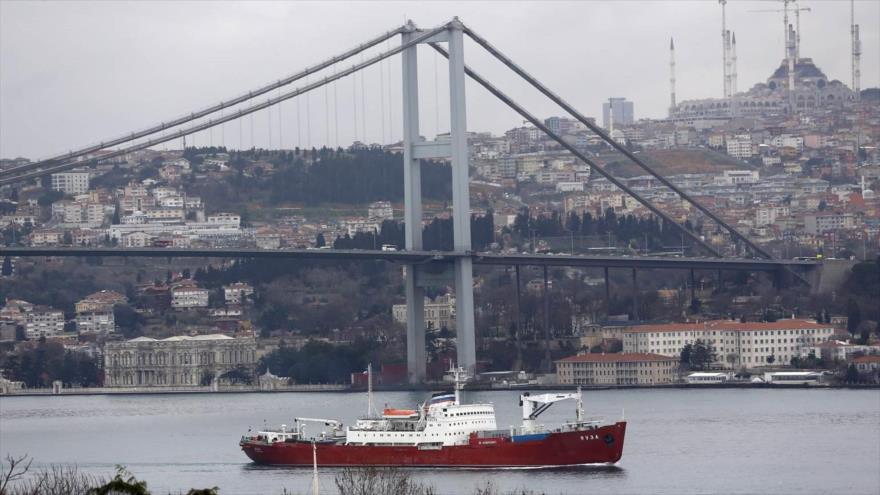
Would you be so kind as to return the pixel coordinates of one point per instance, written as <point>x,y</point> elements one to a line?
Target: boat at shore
<point>443,432</point>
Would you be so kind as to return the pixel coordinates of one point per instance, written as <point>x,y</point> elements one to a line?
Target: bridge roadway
<point>642,262</point>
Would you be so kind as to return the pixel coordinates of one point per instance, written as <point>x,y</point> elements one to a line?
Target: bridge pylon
<point>456,150</point>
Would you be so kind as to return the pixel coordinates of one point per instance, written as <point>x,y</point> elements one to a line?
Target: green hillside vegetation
<point>674,162</point>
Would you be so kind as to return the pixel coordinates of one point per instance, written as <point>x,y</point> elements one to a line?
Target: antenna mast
<point>856,51</point>
<point>725,48</point>
<point>733,65</point>
<point>671,77</point>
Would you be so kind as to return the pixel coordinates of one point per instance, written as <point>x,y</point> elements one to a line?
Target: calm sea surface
<point>678,441</point>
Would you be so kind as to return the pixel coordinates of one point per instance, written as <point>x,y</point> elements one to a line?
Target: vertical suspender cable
<point>280,124</point>
<point>335,112</point>
<point>240,135</point>
<point>269,121</point>
<point>327,115</point>
<point>390,100</point>
<point>382,100</point>
<point>436,97</point>
<point>299,138</point>
<point>252,132</point>
<point>354,105</point>
<point>308,117</point>
<point>363,102</point>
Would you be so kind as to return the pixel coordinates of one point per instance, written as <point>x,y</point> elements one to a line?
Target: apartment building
<point>44,322</point>
<point>189,297</point>
<point>71,183</point>
<point>735,344</point>
<point>238,292</point>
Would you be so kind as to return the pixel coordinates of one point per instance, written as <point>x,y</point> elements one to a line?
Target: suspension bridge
<point>424,268</point>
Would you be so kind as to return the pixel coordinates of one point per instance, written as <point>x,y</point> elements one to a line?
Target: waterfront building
<point>617,369</point>
<point>869,367</point>
<point>177,361</point>
<point>735,344</point>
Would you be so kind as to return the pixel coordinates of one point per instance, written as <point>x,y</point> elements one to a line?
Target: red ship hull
<point>601,445</point>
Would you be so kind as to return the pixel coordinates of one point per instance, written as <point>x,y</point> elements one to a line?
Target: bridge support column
<point>548,364</point>
<point>461,204</point>
<point>412,189</point>
<point>518,303</point>
<point>635,295</point>
<point>607,294</point>
<point>693,287</point>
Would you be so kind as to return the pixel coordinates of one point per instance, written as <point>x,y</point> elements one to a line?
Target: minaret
<point>725,46</point>
<point>790,58</point>
<point>786,28</point>
<point>733,65</point>
<point>671,77</point>
<point>797,27</point>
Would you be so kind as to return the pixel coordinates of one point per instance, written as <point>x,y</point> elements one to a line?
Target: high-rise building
<point>621,111</point>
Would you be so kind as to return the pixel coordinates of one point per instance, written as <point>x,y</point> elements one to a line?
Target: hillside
<point>673,162</point>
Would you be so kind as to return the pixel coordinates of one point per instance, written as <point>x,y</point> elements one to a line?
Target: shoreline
<point>330,388</point>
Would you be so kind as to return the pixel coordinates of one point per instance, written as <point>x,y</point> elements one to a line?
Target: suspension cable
<point>240,113</point>
<point>205,111</point>
<point>605,137</point>
<point>540,125</point>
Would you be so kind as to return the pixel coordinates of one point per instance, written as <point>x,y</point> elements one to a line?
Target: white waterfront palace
<point>176,361</point>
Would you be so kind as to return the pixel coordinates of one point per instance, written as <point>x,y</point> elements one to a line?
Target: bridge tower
<point>456,150</point>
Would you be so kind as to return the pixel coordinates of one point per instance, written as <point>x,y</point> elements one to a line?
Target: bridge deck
<point>424,257</point>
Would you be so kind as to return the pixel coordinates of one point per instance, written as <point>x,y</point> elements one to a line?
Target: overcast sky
<point>73,73</point>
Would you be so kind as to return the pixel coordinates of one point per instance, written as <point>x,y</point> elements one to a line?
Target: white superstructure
<point>442,420</point>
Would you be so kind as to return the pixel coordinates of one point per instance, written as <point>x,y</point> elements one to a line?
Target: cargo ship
<point>443,432</point>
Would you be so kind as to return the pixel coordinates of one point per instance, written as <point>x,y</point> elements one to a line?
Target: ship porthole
<point>609,439</point>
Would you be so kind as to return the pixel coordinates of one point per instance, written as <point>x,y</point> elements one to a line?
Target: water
<point>680,441</point>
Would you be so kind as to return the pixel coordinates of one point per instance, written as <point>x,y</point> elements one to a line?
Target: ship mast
<point>315,487</point>
<point>459,377</point>
<point>371,412</point>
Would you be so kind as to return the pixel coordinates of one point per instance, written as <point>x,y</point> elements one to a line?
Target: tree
<point>320,241</point>
<point>771,359</point>
<point>864,331</point>
<point>852,374</point>
<point>7,267</point>
<point>853,314</point>
<point>123,483</point>
<point>702,355</point>
<point>685,356</point>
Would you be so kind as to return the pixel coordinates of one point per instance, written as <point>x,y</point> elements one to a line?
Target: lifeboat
<point>399,413</point>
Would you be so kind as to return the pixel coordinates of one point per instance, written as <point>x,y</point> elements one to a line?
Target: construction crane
<point>797,16</point>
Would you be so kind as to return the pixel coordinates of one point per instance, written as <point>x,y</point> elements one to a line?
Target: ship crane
<point>534,405</point>
<point>335,425</point>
